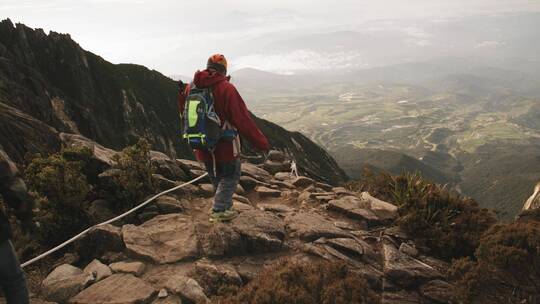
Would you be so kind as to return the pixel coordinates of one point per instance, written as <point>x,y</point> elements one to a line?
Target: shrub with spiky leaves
<point>448,224</point>
<point>299,282</point>
<point>60,181</point>
<point>506,269</point>
<point>132,181</point>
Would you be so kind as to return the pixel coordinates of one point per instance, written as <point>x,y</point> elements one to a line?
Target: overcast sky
<point>176,37</point>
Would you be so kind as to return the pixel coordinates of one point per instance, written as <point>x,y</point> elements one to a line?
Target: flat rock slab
<point>310,226</point>
<point>118,288</point>
<point>261,231</point>
<point>164,239</point>
<point>352,207</point>
<point>134,268</point>
<point>438,291</point>
<point>405,270</point>
<point>267,192</point>
<point>187,288</point>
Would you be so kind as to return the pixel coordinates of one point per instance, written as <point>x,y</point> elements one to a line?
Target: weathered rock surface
<point>166,166</point>
<point>255,172</point>
<point>101,155</point>
<point>169,204</point>
<point>164,239</point>
<point>401,297</point>
<point>310,226</point>
<point>405,270</point>
<point>353,208</point>
<point>188,288</point>
<point>64,282</point>
<point>134,268</point>
<point>302,182</point>
<point>261,231</point>
<point>99,240</point>
<point>276,156</point>
<point>282,176</point>
<point>222,240</point>
<point>383,210</point>
<point>267,192</point>
<point>438,291</point>
<point>274,167</point>
<point>211,276</point>
<point>118,288</point>
<point>188,165</point>
<point>99,270</point>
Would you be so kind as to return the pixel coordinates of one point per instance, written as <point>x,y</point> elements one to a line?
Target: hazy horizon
<point>284,36</point>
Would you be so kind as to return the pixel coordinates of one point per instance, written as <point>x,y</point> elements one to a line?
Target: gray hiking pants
<point>12,278</point>
<point>227,176</point>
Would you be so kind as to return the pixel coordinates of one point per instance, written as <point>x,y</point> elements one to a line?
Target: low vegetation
<point>60,182</point>
<point>299,282</point>
<point>449,225</point>
<point>506,267</point>
<point>131,177</point>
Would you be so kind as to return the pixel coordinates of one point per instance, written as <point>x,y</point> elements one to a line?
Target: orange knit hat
<point>217,62</point>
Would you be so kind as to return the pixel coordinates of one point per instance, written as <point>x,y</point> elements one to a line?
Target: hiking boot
<point>223,216</point>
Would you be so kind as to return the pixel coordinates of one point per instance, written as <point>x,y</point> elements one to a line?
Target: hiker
<point>217,142</point>
<point>294,169</point>
<point>14,193</point>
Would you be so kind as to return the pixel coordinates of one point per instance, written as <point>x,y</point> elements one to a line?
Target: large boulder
<point>383,210</point>
<point>276,156</point>
<point>167,167</point>
<point>405,270</point>
<point>311,226</point>
<point>118,288</point>
<point>164,239</point>
<point>99,240</point>
<point>260,231</point>
<point>188,165</point>
<point>102,157</point>
<point>64,282</point>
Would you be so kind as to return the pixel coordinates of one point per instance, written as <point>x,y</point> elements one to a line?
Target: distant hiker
<point>14,193</point>
<point>294,169</point>
<point>214,116</point>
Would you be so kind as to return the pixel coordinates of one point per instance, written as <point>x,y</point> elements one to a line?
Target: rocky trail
<point>177,256</point>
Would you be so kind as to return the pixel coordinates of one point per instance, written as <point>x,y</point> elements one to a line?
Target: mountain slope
<point>52,80</point>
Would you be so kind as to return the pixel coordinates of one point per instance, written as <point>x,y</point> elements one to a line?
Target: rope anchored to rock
<point>148,201</point>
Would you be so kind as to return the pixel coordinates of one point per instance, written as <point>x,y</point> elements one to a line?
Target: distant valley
<point>455,121</point>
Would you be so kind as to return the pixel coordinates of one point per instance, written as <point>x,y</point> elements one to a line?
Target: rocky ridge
<point>50,85</point>
<point>177,256</point>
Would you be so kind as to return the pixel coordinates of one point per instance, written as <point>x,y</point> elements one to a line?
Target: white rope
<point>64,244</point>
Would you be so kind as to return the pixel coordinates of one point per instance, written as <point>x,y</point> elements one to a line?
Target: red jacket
<point>229,106</point>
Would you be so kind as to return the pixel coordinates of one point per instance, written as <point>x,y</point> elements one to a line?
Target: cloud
<point>491,44</point>
<point>300,60</point>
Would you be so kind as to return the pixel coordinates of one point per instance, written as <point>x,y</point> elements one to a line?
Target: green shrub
<point>60,181</point>
<point>450,225</point>
<point>132,181</point>
<point>506,269</point>
<point>296,282</point>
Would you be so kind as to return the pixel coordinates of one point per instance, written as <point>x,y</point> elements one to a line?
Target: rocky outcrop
<point>164,239</point>
<point>261,231</point>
